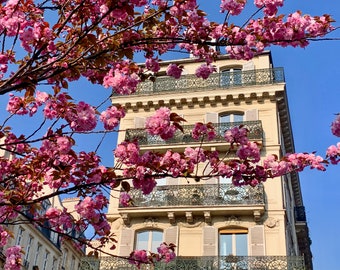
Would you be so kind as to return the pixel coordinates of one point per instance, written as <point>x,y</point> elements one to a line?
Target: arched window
<point>231,117</point>
<point>233,241</point>
<point>149,240</point>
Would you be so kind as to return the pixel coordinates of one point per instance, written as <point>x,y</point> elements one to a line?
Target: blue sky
<point>312,77</point>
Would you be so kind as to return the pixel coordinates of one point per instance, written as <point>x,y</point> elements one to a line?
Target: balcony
<point>216,81</point>
<point>183,138</point>
<point>203,263</point>
<point>199,195</point>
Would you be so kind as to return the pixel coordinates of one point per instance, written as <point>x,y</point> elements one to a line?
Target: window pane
<point>225,245</point>
<point>225,118</point>
<point>225,180</point>
<point>142,240</point>
<point>157,239</point>
<point>241,244</point>
<point>238,117</point>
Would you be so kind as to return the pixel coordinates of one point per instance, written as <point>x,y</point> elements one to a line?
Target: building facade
<point>42,248</point>
<point>214,224</point>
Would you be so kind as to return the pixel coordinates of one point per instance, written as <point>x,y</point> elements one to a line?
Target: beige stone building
<point>42,248</point>
<point>214,224</point>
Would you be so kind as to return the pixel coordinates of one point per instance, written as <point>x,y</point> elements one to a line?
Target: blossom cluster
<point>335,128</point>
<point>13,258</point>
<point>97,40</point>
<point>163,123</point>
<point>201,131</point>
<point>165,253</point>
<point>236,135</point>
<point>80,117</point>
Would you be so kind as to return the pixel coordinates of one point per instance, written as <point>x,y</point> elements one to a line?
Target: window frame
<point>151,243</point>
<point>234,232</point>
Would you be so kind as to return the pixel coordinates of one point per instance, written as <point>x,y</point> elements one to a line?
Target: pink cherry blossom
<point>236,135</point>
<point>124,199</point>
<point>233,6</point>
<point>201,131</point>
<point>161,124</point>
<point>82,118</point>
<point>16,105</point>
<point>111,117</point>
<point>249,151</point>
<point>335,128</point>
<point>204,71</point>
<point>174,70</point>
<point>138,257</point>
<point>13,258</point>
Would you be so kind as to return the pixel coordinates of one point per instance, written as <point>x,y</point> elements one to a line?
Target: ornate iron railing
<point>199,195</point>
<point>254,127</point>
<point>203,263</point>
<point>217,80</point>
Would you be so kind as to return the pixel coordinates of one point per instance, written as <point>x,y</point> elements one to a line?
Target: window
<point>28,247</point>
<point>73,263</point>
<point>19,236</point>
<point>231,76</point>
<point>37,254</point>
<point>64,258</point>
<point>45,260</point>
<point>54,263</point>
<point>149,240</point>
<point>233,241</point>
<point>232,117</point>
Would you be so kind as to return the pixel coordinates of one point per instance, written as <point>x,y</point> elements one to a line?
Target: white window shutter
<point>139,122</point>
<point>257,242</point>
<point>251,115</point>
<point>126,242</point>
<point>209,241</point>
<point>211,117</point>
<point>171,236</point>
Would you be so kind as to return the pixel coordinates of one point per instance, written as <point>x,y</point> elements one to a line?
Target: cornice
<point>200,98</point>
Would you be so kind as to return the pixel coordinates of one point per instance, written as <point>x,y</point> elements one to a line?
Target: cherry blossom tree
<point>47,45</point>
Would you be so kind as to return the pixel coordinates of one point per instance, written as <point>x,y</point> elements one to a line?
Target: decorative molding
<point>272,223</point>
<point>151,222</point>
<point>232,220</point>
<point>126,219</point>
<point>257,216</point>
<point>189,217</point>
<point>207,217</point>
<point>172,218</point>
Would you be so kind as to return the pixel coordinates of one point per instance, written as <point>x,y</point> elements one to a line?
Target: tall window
<point>63,264</point>
<point>19,236</point>
<point>28,247</point>
<point>233,242</point>
<point>37,254</point>
<point>54,263</point>
<point>47,254</point>
<point>231,76</point>
<point>73,263</point>
<point>149,240</point>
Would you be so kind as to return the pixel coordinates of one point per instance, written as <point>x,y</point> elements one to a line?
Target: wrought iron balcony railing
<point>199,195</point>
<point>203,263</point>
<point>217,80</point>
<point>254,127</point>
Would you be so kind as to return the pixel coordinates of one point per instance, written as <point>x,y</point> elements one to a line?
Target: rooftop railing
<point>254,127</point>
<point>202,263</point>
<point>226,79</point>
<point>199,195</point>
